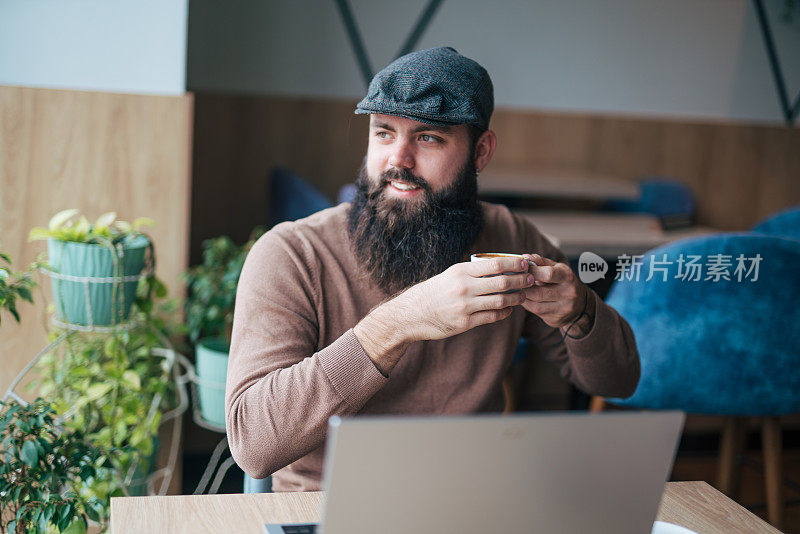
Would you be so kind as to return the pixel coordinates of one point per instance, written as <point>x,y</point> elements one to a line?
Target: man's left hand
<point>558,296</point>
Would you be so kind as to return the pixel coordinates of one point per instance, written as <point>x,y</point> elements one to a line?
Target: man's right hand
<point>447,304</point>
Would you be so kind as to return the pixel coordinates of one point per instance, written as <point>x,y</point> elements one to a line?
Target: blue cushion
<point>783,224</point>
<point>292,197</point>
<point>724,347</point>
<point>668,199</point>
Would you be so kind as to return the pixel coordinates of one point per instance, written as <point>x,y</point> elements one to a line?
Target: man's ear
<point>484,149</point>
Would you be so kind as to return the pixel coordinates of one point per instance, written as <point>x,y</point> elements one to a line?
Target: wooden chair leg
<point>772,445</point>
<point>730,447</point>
<point>597,404</point>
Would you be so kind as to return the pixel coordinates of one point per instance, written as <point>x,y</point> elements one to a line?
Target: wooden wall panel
<point>97,152</point>
<point>238,140</point>
<point>739,172</point>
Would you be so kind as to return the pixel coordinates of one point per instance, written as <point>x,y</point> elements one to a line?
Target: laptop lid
<point>565,472</point>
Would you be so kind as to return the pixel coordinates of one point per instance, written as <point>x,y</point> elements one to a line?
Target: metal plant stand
<point>177,366</point>
<point>214,462</point>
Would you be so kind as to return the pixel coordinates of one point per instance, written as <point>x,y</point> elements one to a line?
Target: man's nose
<point>402,155</point>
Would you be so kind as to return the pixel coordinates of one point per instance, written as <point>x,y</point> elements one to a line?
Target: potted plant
<point>113,388</point>
<point>14,285</point>
<point>209,318</point>
<point>87,262</point>
<point>43,466</point>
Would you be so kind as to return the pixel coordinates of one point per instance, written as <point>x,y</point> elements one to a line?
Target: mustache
<point>403,175</point>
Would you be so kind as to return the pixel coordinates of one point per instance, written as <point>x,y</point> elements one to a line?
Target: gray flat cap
<point>436,86</point>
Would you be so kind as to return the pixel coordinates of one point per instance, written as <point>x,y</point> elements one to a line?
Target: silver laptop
<point>565,473</point>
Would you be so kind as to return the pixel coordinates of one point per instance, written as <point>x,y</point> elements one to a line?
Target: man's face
<point>416,208</point>
<point>435,154</point>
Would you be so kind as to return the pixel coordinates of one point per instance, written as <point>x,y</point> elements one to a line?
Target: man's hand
<point>558,296</point>
<point>464,296</point>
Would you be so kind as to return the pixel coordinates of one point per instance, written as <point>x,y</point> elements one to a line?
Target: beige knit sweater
<point>294,360</point>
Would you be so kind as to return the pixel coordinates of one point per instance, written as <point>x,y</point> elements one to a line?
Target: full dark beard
<point>401,242</point>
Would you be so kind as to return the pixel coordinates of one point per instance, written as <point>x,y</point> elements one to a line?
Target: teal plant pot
<point>211,365</point>
<point>106,305</point>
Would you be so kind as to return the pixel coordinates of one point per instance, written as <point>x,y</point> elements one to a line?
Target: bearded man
<point>374,308</point>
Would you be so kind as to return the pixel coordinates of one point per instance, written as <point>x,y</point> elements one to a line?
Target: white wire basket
<point>108,292</point>
<point>177,367</point>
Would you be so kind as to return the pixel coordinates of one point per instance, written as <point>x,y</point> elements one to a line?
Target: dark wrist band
<point>566,332</point>
<point>585,307</point>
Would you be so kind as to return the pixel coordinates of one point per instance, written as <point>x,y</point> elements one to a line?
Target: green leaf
<point>13,310</point>
<point>25,293</point>
<point>76,527</point>
<point>64,514</point>
<point>43,520</point>
<point>110,345</point>
<point>86,472</point>
<point>160,288</point>
<point>29,454</point>
<point>61,217</point>
<point>124,227</point>
<point>132,378</point>
<point>145,305</point>
<point>82,229</point>
<point>49,511</point>
<point>40,449</point>
<point>103,437</point>
<point>94,509</point>
<point>105,220</point>
<point>96,391</point>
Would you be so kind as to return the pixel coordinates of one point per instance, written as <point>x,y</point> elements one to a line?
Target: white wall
<point>129,46</point>
<point>678,58</point>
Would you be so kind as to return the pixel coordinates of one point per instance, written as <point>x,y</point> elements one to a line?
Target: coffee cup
<point>486,256</point>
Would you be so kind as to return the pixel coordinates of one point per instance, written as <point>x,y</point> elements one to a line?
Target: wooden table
<point>694,505</point>
<point>606,234</point>
<point>561,183</point>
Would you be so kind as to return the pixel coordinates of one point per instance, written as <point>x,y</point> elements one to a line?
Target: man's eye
<point>425,138</point>
<point>381,134</point>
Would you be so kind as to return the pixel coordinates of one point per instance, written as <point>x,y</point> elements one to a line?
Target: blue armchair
<point>671,200</point>
<point>292,197</point>
<point>783,224</point>
<point>717,346</point>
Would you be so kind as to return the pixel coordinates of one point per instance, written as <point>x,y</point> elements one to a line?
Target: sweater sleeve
<point>605,361</point>
<point>281,388</point>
